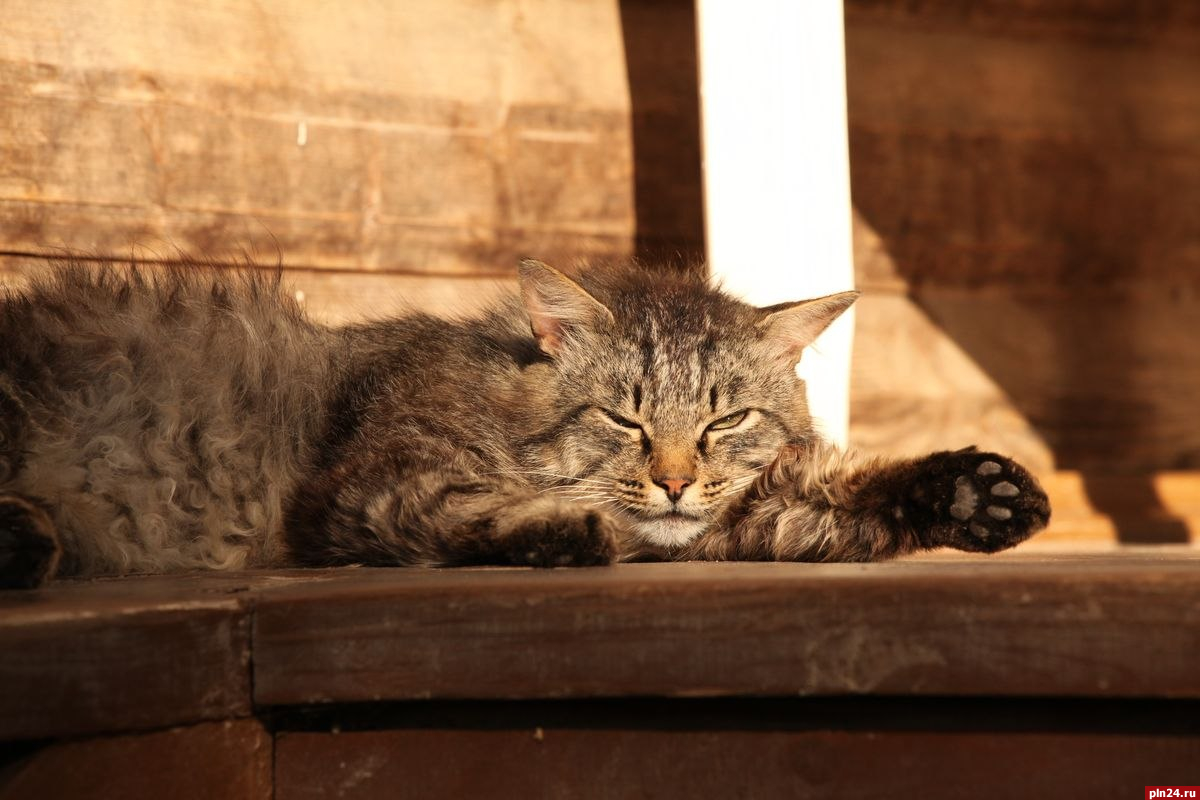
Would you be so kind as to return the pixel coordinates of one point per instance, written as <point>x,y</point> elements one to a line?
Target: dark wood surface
<point>210,761</point>
<point>1029,674</point>
<point>579,762</point>
<point>122,655</point>
<point>1102,627</point>
<point>150,652</point>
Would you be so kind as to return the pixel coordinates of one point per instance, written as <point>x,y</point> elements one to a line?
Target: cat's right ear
<point>556,305</point>
<point>788,328</point>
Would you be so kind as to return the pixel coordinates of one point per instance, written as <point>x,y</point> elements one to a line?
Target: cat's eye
<point>617,419</point>
<point>730,421</point>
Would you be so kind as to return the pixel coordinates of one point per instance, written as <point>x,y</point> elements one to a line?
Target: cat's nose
<point>673,487</point>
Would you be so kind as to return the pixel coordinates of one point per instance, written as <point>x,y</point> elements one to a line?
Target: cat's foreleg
<point>816,503</point>
<point>405,508</point>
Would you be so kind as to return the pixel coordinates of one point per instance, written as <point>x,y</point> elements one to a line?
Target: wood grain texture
<point>1099,382</point>
<point>615,763</point>
<point>1163,507</point>
<point>980,158</point>
<point>376,137</point>
<point>86,658</point>
<point>1114,21</point>
<point>1101,628</point>
<point>80,658</point>
<point>1025,178</point>
<point>228,760</point>
<point>915,390</point>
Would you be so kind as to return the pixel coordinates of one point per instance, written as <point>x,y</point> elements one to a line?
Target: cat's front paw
<point>553,533</point>
<point>982,502</point>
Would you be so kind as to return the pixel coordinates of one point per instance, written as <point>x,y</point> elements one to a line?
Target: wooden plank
<point>1111,216</point>
<point>915,390</point>
<point>86,657</point>
<point>1102,627</point>
<point>395,139</point>
<point>1099,382</point>
<point>229,760</point>
<point>1104,379</point>
<point>120,655</point>
<point>1162,507</point>
<point>1116,21</point>
<point>1035,204</point>
<point>660,62</point>
<point>1178,492</point>
<point>1064,164</point>
<point>779,749</point>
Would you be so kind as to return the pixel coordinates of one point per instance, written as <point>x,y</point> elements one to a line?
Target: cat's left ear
<point>556,305</point>
<point>788,328</point>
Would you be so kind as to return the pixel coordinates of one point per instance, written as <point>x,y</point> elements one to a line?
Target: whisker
<point>738,486</point>
<point>547,474</point>
<point>589,498</point>
<point>569,480</point>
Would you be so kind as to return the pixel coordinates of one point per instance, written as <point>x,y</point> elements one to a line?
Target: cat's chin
<point>668,531</point>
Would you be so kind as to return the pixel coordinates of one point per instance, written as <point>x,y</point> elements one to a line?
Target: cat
<point>196,418</point>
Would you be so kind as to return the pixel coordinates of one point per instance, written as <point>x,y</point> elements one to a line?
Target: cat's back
<point>74,323</point>
<point>161,413</point>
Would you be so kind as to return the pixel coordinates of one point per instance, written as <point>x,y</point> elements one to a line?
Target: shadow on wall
<point>1039,199</point>
<point>660,57</point>
<point>1106,381</point>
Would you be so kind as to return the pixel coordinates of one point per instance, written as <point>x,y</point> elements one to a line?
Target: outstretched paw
<point>551,533</point>
<point>981,502</point>
<point>29,549</point>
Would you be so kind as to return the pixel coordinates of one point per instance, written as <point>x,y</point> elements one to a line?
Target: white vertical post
<point>777,169</point>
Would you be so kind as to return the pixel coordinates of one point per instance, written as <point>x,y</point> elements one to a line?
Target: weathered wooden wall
<point>1026,177</point>
<point>445,136</point>
<point>1026,180</point>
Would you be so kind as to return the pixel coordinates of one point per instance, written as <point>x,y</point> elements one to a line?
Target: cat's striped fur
<point>195,418</point>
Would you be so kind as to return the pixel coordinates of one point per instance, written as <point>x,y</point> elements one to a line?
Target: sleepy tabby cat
<point>194,418</point>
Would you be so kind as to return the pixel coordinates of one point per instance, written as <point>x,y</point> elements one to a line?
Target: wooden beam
<point>228,760</point>
<point>779,749</point>
<point>145,652</point>
<point>1101,21</point>
<point>1102,627</point>
<point>120,655</point>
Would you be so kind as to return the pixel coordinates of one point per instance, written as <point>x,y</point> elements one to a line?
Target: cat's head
<point>668,394</point>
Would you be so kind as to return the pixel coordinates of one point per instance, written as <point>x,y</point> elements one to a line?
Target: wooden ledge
<point>84,658</point>
<point>1085,625</point>
<point>151,652</point>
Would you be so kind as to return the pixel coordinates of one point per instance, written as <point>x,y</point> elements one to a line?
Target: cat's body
<point>162,424</point>
<point>197,419</point>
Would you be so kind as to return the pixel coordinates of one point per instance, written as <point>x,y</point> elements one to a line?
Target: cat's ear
<point>556,304</point>
<point>788,328</point>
